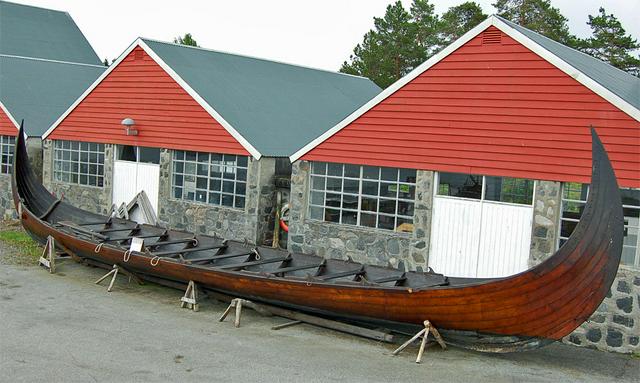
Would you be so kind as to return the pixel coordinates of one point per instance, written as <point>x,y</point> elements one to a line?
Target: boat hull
<point>523,311</point>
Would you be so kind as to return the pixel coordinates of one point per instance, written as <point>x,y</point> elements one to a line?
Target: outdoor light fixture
<point>129,127</point>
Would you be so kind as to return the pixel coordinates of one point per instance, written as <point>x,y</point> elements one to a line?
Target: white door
<point>479,238</point>
<point>131,176</point>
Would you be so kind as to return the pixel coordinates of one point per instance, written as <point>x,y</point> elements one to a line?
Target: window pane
<point>242,161</point>
<point>316,213</point>
<point>352,171</point>
<point>405,208</point>
<point>369,204</point>
<point>149,155</point>
<point>370,172</point>
<point>334,184</point>
<point>460,185</point>
<point>575,191</point>
<point>404,225</point>
<point>350,202</point>
<point>241,175</point>
<point>387,206</point>
<point>318,183</point>
<point>351,186</point>
<point>368,220</point>
<point>319,168</point>
<point>239,202</point>
<point>388,190</point>
<point>408,175</point>
<point>332,200</point>
<point>214,198</point>
<point>332,215</point>
<point>386,222</point>
<point>227,200</point>
<point>349,217</point>
<point>370,188</point>
<point>334,169</point>
<point>126,153</point>
<point>317,198</point>
<point>511,190</point>
<point>389,174</point>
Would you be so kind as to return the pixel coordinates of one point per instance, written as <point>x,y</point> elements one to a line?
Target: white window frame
<point>229,167</point>
<point>359,211</point>
<point>59,151</point>
<point>636,263</point>
<point>7,143</point>
<point>137,148</point>
<point>436,183</point>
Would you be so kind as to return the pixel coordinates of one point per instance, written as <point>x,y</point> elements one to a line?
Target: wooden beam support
<point>253,263</point>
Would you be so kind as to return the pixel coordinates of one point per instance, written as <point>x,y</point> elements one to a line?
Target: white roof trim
<point>90,89</point>
<point>6,111</point>
<point>511,32</point>
<point>51,61</point>
<point>252,150</point>
<point>139,42</point>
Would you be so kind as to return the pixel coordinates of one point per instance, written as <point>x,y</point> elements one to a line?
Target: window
<point>499,189</point>
<point>138,154</point>
<point>79,163</point>
<point>6,146</point>
<point>217,179</point>
<point>368,196</point>
<point>574,197</point>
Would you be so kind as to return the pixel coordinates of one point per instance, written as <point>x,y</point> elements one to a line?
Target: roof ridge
<point>51,60</point>
<point>563,45</point>
<point>254,58</point>
<point>34,6</point>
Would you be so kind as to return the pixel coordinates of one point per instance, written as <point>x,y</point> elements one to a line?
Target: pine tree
<point>427,24</point>
<point>611,43</point>
<point>388,51</point>
<point>458,20</point>
<point>186,40</point>
<point>539,16</point>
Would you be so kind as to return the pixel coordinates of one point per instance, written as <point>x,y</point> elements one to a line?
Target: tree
<point>611,43</point>
<point>105,62</point>
<point>186,40</point>
<point>539,16</point>
<point>427,24</point>
<point>388,51</point>
<point>458,20</point>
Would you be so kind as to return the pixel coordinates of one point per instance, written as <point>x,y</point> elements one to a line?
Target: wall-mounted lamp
<point>129,127</point>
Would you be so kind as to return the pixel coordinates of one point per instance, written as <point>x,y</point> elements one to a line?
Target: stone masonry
<point>358,243</point>
<point>6,200</point>
<point>253,223</point>
<point>615,326</point>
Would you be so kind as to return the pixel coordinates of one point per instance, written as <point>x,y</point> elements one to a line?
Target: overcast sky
<point>319,34</point>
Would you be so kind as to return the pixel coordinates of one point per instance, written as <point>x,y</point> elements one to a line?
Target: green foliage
<point>459,20</point>
<point>539,16</point>
<point>186,40</point>
<point>611,43</point>
<point>27,246</point>
<point>388,51</point>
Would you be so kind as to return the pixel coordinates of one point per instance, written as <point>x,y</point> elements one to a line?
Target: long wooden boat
<point>519,312</point>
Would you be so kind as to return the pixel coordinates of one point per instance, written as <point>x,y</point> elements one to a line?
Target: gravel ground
<point>13,253</point>
<point>64,328</point>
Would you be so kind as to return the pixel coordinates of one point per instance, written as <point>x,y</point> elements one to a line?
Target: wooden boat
<point>519,312</point>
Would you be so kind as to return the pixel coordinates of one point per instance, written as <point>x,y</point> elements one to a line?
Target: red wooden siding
<point>7,128</point>
<point>166,115</point>
<point>494,109</point>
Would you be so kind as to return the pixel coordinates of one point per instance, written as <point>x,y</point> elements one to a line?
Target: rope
<point>257,254</point>
<point>98,248</point>
<point>127,255</point>
<point>155,260</point>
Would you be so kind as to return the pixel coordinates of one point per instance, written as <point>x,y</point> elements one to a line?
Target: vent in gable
<point>491,37</point>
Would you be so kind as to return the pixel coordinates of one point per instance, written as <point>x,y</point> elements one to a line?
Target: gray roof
<point>43,33</point>
<point>619,82</point>
<point>277,107</point>
<point>39,91</point>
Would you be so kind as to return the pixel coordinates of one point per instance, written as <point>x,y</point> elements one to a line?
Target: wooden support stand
<point>424,333</point>
<point>237,304</point>
<point>190,298</point>
<point>48,257</point>
<point>114,274</point>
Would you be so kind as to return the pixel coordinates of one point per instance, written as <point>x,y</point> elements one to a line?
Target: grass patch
<point>24,245</point>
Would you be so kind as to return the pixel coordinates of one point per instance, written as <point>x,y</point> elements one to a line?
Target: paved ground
<point>63,328</point>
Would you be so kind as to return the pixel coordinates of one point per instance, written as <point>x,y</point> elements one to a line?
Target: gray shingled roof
<point>39,91</point>
<point>277,107</point>
<point>621,83</point>
<point>43,33</point>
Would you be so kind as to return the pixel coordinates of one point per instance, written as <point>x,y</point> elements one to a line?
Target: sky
<point>319,34</point>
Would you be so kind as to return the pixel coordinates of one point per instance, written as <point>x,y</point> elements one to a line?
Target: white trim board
<point>140,43</point>
<point>511,32</point>
<point>6,111</point>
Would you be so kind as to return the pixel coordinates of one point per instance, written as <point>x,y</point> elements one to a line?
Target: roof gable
<point>38,91</point>
<point>534,45</point>
<point>28,31</point>
<point>276,107</point>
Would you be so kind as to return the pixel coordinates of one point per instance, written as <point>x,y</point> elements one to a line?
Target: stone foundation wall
<point>361,244</point>
<point>90,198</point>
<point>253,223</point>
<point>6,200</point>
<point>615,326</point>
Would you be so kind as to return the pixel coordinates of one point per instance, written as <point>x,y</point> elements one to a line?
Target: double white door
<point>131,176</point>
<point>471,238</point>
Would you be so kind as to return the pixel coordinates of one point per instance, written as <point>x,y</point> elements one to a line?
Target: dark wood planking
<point>547,301</point>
